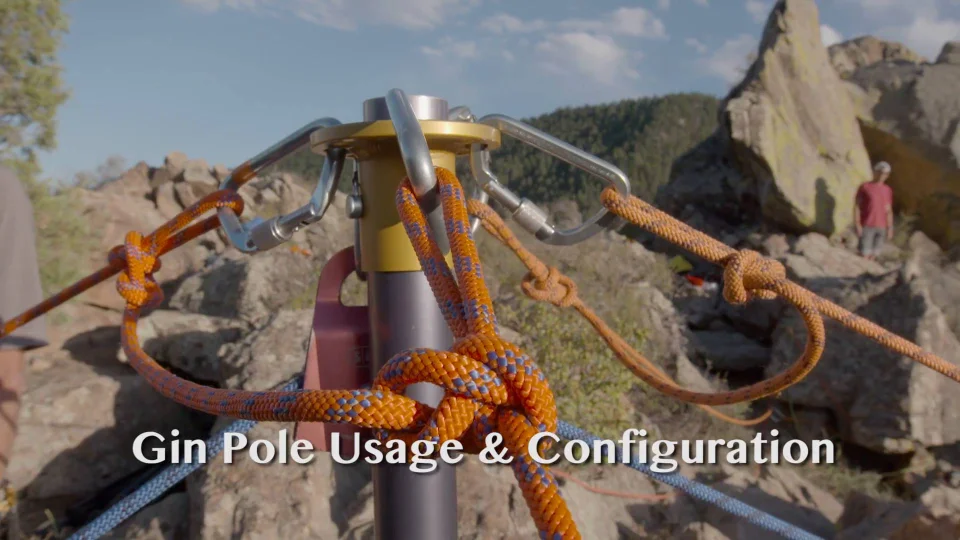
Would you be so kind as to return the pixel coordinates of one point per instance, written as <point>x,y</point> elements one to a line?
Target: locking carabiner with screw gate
<point>524,211</point>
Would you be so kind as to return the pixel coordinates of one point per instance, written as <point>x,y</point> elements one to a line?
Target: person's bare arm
<point>12,386</point>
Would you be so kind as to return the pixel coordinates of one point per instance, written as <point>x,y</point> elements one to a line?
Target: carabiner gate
<point>261,235</point>
<point>524,211</point>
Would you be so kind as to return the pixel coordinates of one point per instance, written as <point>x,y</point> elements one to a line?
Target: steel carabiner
<point>261,235</point>
<point>524,211</point>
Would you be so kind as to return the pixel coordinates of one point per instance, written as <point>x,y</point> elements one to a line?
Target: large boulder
<point>793,129</point>
<point>914,111</point>
<point>77,425</point>
<point>247,287</point>
<point>882,401</point>
<point>707,191</point>
<point>934,516</point>
<point>243,499</point>
<point>813,256</point>
<point>133,183</point>
<point>950,54</point>
<point>187,342</point>
<point>269,355</point>
<point>111,215</point>
<point>777,490</point>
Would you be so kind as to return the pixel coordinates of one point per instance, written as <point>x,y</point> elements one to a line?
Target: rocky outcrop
<point>240,286</point>
<point>188,342</point>
<point>792,127</point>
<point>789,151</point>
<point>77,425</point>
<point>813,256</point>
<point>269,355</point>
<point>777,490</point>
<point>950,54</point>
<point>111,215</point>
<point>322,499</point>
<point>910,116</point>
<point>856,377</point>
<point>849,56</point>
<point>935,515</point>
<point>708,192</point>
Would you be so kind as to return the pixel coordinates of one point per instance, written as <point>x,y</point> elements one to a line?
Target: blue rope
<point>697,490</point>
<point>172,475</point>
<point>163,481</point>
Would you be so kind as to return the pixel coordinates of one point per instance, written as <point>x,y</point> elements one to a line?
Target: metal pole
<point>403,315</point>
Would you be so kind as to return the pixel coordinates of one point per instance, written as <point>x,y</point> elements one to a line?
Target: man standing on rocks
<point>19,291</point>
<point>873,212</point>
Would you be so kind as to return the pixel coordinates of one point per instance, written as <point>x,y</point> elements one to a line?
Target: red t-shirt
<point>873,198</point>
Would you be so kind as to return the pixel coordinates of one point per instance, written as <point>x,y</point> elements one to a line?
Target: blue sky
<point>224,79</point>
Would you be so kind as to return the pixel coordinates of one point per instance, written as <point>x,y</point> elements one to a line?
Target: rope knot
<point>555,287</point>
<point>136,283</point>
<point>490,386</point>
<point>748,275</point>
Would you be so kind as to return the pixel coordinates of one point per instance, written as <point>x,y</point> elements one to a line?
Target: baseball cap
<point>882,166</point>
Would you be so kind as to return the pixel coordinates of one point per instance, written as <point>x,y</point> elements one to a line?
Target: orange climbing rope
<point>747,274</point>
<point>545,283</point>
<point>491,385</point>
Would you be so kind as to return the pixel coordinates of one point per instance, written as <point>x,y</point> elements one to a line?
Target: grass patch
<point>590,386</point>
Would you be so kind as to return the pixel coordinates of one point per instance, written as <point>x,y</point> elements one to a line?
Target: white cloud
<point>449,48</point>
<point>730,60</point>
<point>927,35</point>
<point>502,23</point>
<point>637,22</point>
<point>757,9</point>
<point>349,14</point>
<point>634,22</point>
<point>663,4</point>
<point>829,35</point>
<point>210,6</point>
<point>696,44</point>
<point>507,55</point>
<point>596,57</point>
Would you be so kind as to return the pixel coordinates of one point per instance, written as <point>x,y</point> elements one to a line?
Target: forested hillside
<point>641,136</point>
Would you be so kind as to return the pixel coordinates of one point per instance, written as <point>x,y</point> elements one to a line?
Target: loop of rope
<point>490,385</point>
<point>638,364</point>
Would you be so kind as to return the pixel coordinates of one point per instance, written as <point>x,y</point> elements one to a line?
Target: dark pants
<point>871,240</point>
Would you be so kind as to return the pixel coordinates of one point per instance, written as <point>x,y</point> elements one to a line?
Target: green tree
<point>31,89</point>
